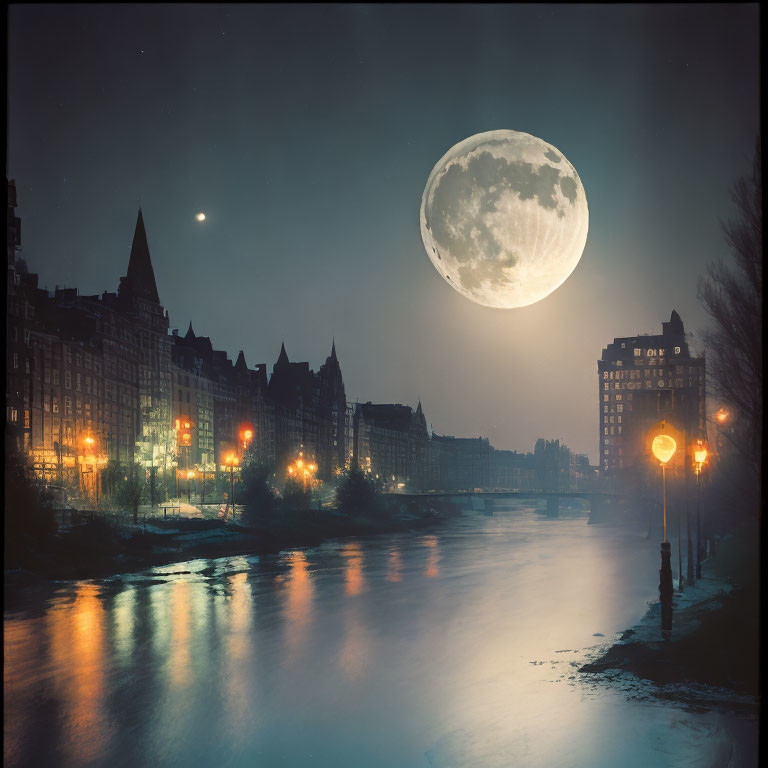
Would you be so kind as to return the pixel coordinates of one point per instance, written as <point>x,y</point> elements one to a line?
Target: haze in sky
<point>306,135</point>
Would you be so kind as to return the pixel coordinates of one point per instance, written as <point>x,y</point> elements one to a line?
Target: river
<point>457,648</point>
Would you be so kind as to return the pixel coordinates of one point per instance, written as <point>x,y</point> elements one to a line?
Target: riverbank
<point>99,548</point>
<point>712,656</point>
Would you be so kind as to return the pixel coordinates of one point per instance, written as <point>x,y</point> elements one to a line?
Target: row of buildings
<point>99,379</point>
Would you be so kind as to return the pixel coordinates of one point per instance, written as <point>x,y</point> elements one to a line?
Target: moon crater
<point>504,218</point>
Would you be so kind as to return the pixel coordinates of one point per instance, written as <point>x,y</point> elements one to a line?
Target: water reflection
<point>293,660</point>
<point>433,557</point>
<point>238,671</point>
<point>354,581</point>
<point>394,565</point>
<point>76,640</point>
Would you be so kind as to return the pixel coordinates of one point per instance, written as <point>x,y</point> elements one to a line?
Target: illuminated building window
<point>605,430</point>
<point>68,405</point>
<point>619,428</point>
<point>677,350</point>
<point>623,345</point>
<point>26,419</point>
<point>605,398</point>
<point>616,385</point>
<point>55,404</point>
<point>619,362</point>
<point>613,430</point>
<point>13,415</point>
<point>620,408</point>
<point>651,352</point>
<point>638,352</point>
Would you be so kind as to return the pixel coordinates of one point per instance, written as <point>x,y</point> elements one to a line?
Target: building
<point>88,377</point>
<point>511,470</point>
<point>459,463</point>
<point>391,444</point>
<point>643,379</point>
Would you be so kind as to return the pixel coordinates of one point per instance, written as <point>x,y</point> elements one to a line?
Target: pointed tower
<point>139,281</point>
<point>333,349</point>
<point>190,333</point>
<point>282,357</point>
<point>241,365</point>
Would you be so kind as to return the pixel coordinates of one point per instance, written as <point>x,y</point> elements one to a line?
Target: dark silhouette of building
<point>391,444</point>
<point>459,463</point>
<point>643,379</point>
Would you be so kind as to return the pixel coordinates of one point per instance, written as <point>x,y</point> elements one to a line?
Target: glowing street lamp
<point>663,448</point>
<point>722,416</point>
<point>699,457</point>
<point>232,461</point>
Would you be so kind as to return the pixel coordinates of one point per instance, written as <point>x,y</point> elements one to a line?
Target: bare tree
<point>732,296</point>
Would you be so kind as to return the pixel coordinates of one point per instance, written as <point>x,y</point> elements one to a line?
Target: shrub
<point>357,495</point>
<point>29,516</point>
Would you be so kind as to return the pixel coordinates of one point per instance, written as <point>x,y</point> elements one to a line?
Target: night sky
<point>307,134</point>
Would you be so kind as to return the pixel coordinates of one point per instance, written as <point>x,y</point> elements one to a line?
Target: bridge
<point>600,502</point>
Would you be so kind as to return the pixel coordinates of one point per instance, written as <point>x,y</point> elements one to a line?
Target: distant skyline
<point>306,134</point>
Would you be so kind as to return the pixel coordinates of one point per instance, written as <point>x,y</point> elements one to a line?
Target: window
<point>47,376</point>
<point>619,362</point>
<point>88,384</point>
<point>620,408</point>
<point>27,365</point>
<point>605,374</point>
<point>56,376</point>
<point>613,430</point>
<point>68,355</point>
<point>677,350</point>
<point>661,353</point>
<point>618,397</point>
<point>638,352</point>
<point>26,336</point>
<point>605,409</point>
<point>616,385</point>
<point>26,418</point>
<point>651,352</point>
<point>623,345</point>
<point>619,428</point>
<point>605,398</point>
<point>79,359</point>
<point>77,383</point>
<point>67,405</point>
<point>605,430</point>
<point>605,386</point>
<point>15,333</point>
<point>15,359</point>
<point>67,380</point>
<point>13,415</point>
<point>55,404</point>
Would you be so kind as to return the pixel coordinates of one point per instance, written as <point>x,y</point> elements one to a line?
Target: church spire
<point>283,358</point>
<point>333,349</point>
<point>190,332</point>
<point>241,364</point>
<point>140,278</point>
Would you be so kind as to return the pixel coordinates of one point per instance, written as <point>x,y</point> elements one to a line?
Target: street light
<point>190,477</point>
<point>663,448</point>
<point>232,461</point>
<point>699,457</point>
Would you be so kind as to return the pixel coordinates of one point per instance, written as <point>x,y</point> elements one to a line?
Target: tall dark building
<point>391,444</point>
<point>643,379</point>
<point>309,413</point>
<point>459,463</point>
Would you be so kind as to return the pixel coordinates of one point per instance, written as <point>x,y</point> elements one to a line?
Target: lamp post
<point>663,448</point>
<point>699,456</point>
<point>231,460</point>
<point>190,478</point>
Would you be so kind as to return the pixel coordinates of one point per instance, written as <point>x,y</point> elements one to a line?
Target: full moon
<point>504,218</point>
